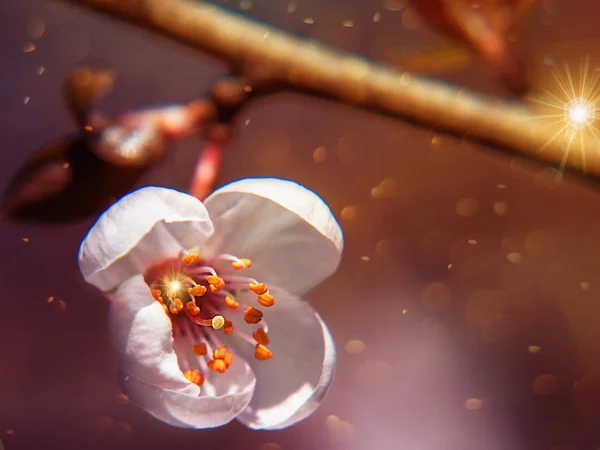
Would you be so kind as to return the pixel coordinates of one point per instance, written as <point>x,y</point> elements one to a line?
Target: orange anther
<point>228,327</point>
<point>242,263</point>
<point>195,311</point>
<point>157,295</point>
<point>218,365</point>
<point>230,301</point>
<point>261,337</point>
<point>220,352</point>
<point>173,309</point>
<point>199,349</point>
<point>215,283</point>
<point>262,353</point>
<point>252,315</point>
<point>228,359</point>
<point>197,291</point>
<point>194,376</point>
<point>190,305</point>
<point>266,300</point>
<point>195,257</point>
<point>178,304</point>
<point>187,259</point>
<point>258,289</point>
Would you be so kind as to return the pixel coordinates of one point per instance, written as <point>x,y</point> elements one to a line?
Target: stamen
<point>228,327</point>
<point>217,322</point>
<point>228,359</point>
<point>220,352</point>
<point>215,283</point>
<point>262,353</point>
<point>230,301</point>
<point>194,376</point>
<point>252,315</point>
<point>218,365</point>
<point>242,263</point>
<point>266,300</point>
<point>197,291</point>
<point>157,295</point>
<point>199,349</point>
<point>261,337</point>
<point>258,289</point>
<point>192,308</point>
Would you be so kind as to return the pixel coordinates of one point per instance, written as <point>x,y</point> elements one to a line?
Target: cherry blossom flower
<point>205,311</point>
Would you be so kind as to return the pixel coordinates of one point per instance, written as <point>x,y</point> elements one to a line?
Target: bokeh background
<point>466,309</point>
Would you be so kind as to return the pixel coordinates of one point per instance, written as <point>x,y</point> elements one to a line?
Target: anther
<point>228,359</point>
<point>266,300</point>
<point>197,291</point>
<point>242,263</point>
<point>220,352</point>
<point>173,309</point>
<point>190,258</point>
<point>218,365</point>
<point>230,301</point>
<point>215,283</point>
<point>199,349</point>
<point>252,315</point>
<point>178,304</point>
<point>261,336</point>
<point>157,295</point>
<point>194,376</point>
<point>258,289</point>
<point>227,327</point>
<point>192,308</point>
<point>262,353</point>
<point>217,322</point>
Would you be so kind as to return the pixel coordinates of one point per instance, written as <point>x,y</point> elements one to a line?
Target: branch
<point>272,57</point>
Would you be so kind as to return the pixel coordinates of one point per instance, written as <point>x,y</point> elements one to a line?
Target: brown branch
<point>263,53</point>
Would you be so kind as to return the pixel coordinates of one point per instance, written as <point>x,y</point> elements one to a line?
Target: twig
<point>262,53</point>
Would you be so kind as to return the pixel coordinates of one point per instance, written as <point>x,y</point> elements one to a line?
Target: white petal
<point>140,230</point>
<point>291,385</point>
<point>233,390</point>
<point>143,337</point>
<point>288,232</point>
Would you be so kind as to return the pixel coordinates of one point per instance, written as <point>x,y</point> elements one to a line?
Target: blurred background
<point>465,311</point>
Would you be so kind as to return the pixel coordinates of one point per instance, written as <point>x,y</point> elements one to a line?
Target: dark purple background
<point>429,347</point>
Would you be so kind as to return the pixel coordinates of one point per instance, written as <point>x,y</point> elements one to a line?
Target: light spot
<point>376,17</point>
<point>534,349</point>
<point>435,140</point>
<point>394,5</point>
<point>544,385</point>
<point>121,399</point>
<point>36,28</point>
<point>349,148</point>
<point>309,20</point>
<point>62,305</point>
<point>25,239</point>
<point>29,47</point>
<point>51,299</point>
<point>247,122</point>
<point>348,23</point>
<point>472,241</point>
<point>436,295</point>
<point>40,70</point>
<point>26,99</point>
<point>500,208</point>
<point>270,446</point>
<point>355,346</point>
<point>319,154</point>
<point>467,207</point>
<point>349,213</point>
<point>473,404</point>
<point>292,7</point>
<point>585,286</point>
<point>514,257</point>
<point>501,186</point>
<point>383,247</point>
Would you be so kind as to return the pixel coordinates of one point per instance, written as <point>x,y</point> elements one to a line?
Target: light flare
<point>570,108</point>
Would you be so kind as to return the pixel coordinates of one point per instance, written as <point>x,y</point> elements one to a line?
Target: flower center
<point>198,301</point>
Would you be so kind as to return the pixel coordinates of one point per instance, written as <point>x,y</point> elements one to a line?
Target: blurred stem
<point>272,57</point>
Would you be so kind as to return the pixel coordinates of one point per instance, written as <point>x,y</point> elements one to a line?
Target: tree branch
<point>269,56</point>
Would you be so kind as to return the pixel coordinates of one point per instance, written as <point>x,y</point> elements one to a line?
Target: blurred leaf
<point>65,182</point>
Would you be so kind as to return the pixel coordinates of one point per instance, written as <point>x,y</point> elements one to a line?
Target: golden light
<point>570,107</point>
